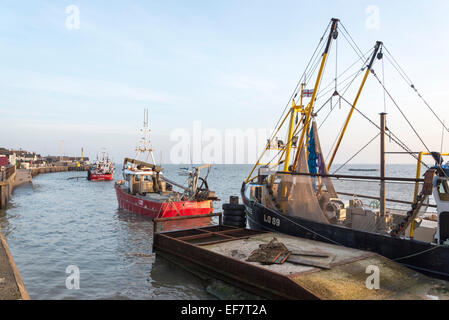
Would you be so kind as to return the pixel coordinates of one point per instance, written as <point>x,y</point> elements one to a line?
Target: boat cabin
<point>146,181</point>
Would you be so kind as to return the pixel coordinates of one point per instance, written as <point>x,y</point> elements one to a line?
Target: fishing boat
<point>145,189</point>
<point>295,192</point>
<point>184,171</point>
<point>102,170</point>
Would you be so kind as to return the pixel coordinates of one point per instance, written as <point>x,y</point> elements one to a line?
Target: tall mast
<point>293,112</point>
<point>332,34</point>
<point>383,199</point>
<point>368,70</point>
<point>145,142</point>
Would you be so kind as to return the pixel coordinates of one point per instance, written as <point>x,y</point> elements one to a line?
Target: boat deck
<point>157,197</point>
<point>222,251</point>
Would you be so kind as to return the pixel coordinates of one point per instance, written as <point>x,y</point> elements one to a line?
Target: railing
<point>342,176</point>
<point>7,172</point>
<point>157,222</point>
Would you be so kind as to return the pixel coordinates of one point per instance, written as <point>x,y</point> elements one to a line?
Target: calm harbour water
<point>56,222</point>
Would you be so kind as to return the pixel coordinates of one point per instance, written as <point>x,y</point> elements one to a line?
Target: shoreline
<point>12,286</point>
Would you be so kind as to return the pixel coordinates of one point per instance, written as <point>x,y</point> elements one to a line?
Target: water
<point>56,222</point>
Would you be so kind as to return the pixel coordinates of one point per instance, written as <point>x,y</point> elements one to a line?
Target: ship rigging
<point>295,191</point>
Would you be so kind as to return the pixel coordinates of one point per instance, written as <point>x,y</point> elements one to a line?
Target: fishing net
<point>297,193</point>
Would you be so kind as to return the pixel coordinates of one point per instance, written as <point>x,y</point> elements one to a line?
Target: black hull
<point>411,253</point>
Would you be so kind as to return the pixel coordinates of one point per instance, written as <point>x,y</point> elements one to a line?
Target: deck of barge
<point>221,253</point>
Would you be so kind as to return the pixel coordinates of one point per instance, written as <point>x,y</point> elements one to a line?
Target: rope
<point>418,253</point>
<point>366,145</point>
<point>344,28</point>
<point>305,228</point>
<point>393,137</point>
<point>340,244</point>
<point>299,82</point>
<point>400,110</point>
<point>409,82</point>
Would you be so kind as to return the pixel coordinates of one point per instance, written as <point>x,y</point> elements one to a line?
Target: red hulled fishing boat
<point>102,170</point>
<point>145,190</point>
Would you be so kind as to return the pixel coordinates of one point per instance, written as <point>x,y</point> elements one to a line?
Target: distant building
<point>4,160</point>
<point>27,159</point>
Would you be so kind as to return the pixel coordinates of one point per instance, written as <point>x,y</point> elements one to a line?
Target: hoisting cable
<point>366,145</point>
<point>346,70</point>
<point>393,137</point>
<point>336,63</point>
<point>409,82</point>
<point>400,110</point>
<point>299,82</point>
<point>359,51</point>
<point>314,67</point>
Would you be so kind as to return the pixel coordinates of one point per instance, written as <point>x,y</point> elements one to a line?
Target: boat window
<point>443,190</point>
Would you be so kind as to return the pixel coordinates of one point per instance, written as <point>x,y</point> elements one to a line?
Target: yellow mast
<point>293,112</point>
<point>368,70</point>
<point>309,108</point>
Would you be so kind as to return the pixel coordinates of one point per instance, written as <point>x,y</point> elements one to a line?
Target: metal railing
<point>7,172</point>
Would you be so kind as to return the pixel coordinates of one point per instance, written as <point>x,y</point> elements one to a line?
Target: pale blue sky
<point>230,64</point>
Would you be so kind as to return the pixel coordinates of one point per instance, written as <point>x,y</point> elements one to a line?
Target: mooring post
<point>382,165</point>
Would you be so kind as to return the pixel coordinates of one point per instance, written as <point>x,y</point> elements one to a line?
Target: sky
<point>227,65</point>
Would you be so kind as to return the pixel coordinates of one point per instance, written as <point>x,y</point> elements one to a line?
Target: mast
<point>332,34</point>
<point>382,164</point>
<point>146,145</point>
<point>368,70</point>
<point>293,112</point>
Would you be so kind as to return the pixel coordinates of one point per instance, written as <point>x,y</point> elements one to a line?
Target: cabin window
<point>443,190</point>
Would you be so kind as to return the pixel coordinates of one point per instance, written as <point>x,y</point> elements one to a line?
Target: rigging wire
<point>393,137</point>
<point>396,140</point>
<point>323,91</point>
<point>400,110</point>
<point>356,154</point>
<point>355,44</point>
<point>409,82</point>
<point>299,82</point>
<point>336,63</point>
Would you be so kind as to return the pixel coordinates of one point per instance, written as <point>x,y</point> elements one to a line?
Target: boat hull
<point>421,256</point>
<point>160,209</point>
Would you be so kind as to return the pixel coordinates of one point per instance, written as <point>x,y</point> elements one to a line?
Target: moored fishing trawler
<point>102,170</point>
<point>145,190</point>
<point>294,193</point>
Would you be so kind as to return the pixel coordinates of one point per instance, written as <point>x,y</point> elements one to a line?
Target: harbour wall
<point>7,179</point>
<point>12,286</point>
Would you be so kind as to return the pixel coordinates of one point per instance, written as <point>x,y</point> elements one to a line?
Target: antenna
<point>145,141</point>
